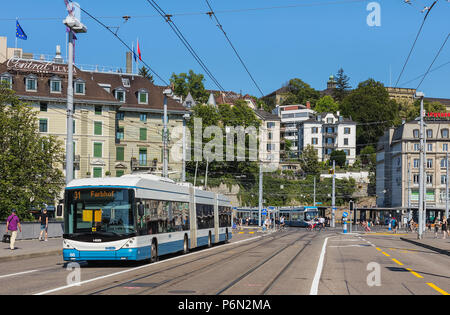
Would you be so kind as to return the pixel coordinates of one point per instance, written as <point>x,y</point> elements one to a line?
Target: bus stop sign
<point>263,211</point>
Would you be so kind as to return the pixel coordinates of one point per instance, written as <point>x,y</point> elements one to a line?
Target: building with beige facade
<point>118,117</point>
<point>398,158</point>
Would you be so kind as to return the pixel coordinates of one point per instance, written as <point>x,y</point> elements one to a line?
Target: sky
<point>277,39</point>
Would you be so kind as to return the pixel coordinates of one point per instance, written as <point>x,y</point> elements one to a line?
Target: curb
<point>31,255</point>
<point>436,249</point>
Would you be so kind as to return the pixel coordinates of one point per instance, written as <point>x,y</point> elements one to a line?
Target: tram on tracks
<point>140,217</point>
<point>294,216</point>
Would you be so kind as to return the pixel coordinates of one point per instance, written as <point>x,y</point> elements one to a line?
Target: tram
<point>294,216</point>
<point>140,217</point>
<point>298,216</point>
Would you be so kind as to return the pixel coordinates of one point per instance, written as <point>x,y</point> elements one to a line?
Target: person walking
<point>436,227</point>
<point>444,227</point>
<point>394,225</point>
<point>12,223</point>
<point>44,224</point>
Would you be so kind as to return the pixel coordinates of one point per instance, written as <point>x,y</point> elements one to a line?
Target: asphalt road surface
<point>290,262</point>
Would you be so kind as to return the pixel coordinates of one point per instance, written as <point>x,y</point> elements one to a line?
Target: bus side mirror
<point>141,209</point>
<point>59,211</point>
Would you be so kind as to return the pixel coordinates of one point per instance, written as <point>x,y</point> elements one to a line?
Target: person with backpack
<point>12,223</point>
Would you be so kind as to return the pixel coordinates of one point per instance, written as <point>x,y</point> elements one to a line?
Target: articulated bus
<point>140,217</point>
<point>294,216</point>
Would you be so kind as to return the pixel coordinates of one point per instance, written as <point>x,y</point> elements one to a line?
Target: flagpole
<point>15,47</point>
<point>132,48</point>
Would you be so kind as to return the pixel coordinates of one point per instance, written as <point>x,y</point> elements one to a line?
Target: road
<point>291,262</point>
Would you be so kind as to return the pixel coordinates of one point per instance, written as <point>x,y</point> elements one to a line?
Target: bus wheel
<point>154,253</point>
<point>185,245</point>
<point>209,240</point>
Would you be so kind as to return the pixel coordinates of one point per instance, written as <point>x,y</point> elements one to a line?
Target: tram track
<point>266,240</point>
<point>260,264</point>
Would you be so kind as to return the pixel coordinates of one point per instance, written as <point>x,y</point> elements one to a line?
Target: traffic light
<point>331,171</point>
<point>351,205</point>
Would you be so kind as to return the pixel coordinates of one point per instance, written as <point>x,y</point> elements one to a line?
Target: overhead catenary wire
<point>125,44</point>
<point>219,25</point>
<point>167,18</point>
<point>414,43</point>
<point>432,63</point>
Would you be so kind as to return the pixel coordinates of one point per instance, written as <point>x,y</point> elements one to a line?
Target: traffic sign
<point>264,211</point>
<point>345,214</point>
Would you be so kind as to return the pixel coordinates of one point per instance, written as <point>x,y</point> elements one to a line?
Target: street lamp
<point>422,200</point>
<point>73,22</point>
<point>166,92</point>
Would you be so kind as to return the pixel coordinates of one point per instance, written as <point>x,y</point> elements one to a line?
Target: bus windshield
<point>309,215</point>
<point>102,211</point>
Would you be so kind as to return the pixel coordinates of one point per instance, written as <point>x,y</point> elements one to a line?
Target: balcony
<point>76,162</point>
<point>137,165</point>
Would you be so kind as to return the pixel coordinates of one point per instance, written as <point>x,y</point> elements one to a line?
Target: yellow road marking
<point>379,249</point>
<point>437,288</point>
<point>391,234</point>
<point>386,254</point>
<point>397,262</point>
<point>414,273</point>
<point>241,232</point>
<point>251,232</point>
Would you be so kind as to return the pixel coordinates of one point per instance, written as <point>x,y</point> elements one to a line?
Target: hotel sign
<point>440,115</point>
<point>19,64</point>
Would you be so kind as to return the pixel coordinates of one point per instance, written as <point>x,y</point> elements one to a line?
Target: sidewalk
<point>30,249</point>
<point>428,241</point>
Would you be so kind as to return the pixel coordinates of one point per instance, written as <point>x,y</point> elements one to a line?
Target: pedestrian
<point>436,227</point>
<point>12,223</point>
<point>394,225</point>
<point>444,227</point>
<point>44,224</point>
<point>405,223</point>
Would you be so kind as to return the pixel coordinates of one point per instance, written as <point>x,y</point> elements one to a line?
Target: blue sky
<point>307,39</point>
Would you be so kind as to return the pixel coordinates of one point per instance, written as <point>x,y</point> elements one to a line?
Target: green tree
<point>184,83</point>
<point>326,105</point>
<point>342,86</point>
<point>339,157</point>
<point>29,176</point>
<point>309,161</point>
<point>410,111</point>
<point>368,157</point>
<point>370,106</point>
<point>300,92</point>
<point>143,71</point>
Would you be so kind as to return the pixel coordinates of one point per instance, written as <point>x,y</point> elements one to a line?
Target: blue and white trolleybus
<point>140,217</point>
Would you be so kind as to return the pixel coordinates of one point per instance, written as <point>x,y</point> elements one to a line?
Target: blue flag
<point>134,55</point>
<point>19,31</point>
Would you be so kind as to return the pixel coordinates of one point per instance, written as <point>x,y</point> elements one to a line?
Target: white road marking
<point>18,273</point>
<point>140,267</point>
<point>315,283</point>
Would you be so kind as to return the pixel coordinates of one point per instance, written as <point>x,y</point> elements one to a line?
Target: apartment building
<point>291,117</point>
<point>328,132</point>
<point>118,117</point>
<point>398,161</point>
